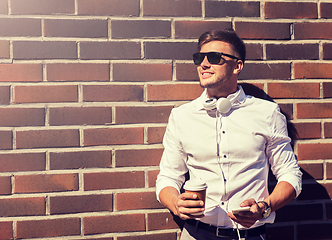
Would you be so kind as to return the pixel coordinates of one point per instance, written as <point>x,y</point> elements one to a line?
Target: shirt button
<point>225,156</point>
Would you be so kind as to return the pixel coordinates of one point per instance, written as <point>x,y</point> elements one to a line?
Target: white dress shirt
<point>251,137</point>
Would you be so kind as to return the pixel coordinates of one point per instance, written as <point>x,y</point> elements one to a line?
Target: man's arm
<point>181,205</point>
<point>282,194</point>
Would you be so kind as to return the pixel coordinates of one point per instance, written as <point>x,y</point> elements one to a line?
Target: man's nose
<point>205,62</point>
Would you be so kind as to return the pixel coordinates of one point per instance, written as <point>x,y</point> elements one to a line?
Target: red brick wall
<point>86,87</point>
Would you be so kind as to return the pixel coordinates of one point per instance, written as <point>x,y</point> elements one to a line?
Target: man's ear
<point>238,67</point>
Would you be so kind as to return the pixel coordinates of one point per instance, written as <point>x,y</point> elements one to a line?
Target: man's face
<point>219,79</point>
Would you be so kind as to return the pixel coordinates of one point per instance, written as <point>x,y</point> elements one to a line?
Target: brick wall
<point>86,87</point>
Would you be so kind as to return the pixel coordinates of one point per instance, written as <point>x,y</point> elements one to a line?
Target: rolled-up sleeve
<point>280,154</point>
<point>172,164</point>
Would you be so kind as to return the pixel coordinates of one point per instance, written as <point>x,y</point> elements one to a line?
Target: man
<point>229,140</point>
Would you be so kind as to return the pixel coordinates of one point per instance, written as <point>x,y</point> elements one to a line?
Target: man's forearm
<point>282,194</point>
<point>167,197</point>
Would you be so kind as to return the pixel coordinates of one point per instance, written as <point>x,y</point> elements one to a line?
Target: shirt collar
<point>236,98</point>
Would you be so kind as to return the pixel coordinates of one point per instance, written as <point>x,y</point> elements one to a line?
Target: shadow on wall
<point>305,217</point>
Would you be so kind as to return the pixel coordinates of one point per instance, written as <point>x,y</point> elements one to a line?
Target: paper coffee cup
<point>198,187</point>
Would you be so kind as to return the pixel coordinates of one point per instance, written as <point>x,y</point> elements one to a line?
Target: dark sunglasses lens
<point>214,57</point>
<point>198,58</point>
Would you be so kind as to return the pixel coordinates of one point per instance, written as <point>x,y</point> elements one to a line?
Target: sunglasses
<point>213,57</point>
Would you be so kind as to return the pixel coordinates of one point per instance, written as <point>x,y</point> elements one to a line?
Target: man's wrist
<point>265,207</point>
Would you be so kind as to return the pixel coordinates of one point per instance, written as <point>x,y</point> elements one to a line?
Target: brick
<point>314,151</point>
<point>314,110</point>
<point>291,10</point>
<point>45,94</point>
<point>108,7</point>
<point>113,180</point>
<point>312,70</point>
<point>140,200</point>
<point>3,10</point>
<point>149,114</point>
<point>217,9</point>
<point>292,213</point>
<point>113,136</point>
<point>5,187</point>
<point>19,117</point>
<point>280,232</point>
<point>78,72</point>
<point>48,228</point>
<point>138,157</point>
<point>80,204</point>
<point>320,191</point>
<point>42,7</point>
<point>6,140</point>
<point>311,130</point>
<point>329,170</point>
<point>317,231</point>
<point>254,51</point>
<point>20,27</point>
<point>4,49</point>
<point>266,71</point>
<point>159,221</point>
<point>80,116</point>
<point>133,72</point>
<point>326,10</point>
<point>44,50</point>
<point>43,183</point>
<point>174,8</point>
<point>292,51</point>
<point>12,207</point>
<point>328,129</point>
<point>319,30</point>
<point>312,171</point>
<point>76,28</point>
<point>194,29</point>
<point>110,50</point>
<point>263,30</point>
<point>47,138</point>
<point>80,159</point>
<point>113,93</point>
<point>293,90</point>
<point>140,29</point>
<point>328,189</point>
<point>327,89</point>
<point>156,134</point>
<point>329,211</point>
<point>169,92</point>
<point>6,229</point>
<point>186,72</point>
<point>170,50</point>
<point>21,72</point>
<point>287,110</point>
<point>114,224</point>
<point>152,176</point>
<point>18,162</point>
<point>327,51</point>
<point>160,236</point>
<point>4,95</point>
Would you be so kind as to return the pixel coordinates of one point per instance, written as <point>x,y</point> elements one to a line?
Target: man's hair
<point>228,36</point>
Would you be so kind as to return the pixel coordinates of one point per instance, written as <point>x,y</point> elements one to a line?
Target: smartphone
<point>238,210</point>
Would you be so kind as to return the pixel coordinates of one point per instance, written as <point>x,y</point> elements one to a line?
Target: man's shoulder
<point>262,105</point>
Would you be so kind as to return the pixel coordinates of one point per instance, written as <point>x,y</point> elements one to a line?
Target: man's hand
<point>187,204</point>
<point>247,219</point>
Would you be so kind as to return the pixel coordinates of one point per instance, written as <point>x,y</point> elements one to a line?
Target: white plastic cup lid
<point>195,184</point>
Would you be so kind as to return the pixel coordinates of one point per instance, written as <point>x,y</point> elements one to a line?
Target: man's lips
<point>206,74</point>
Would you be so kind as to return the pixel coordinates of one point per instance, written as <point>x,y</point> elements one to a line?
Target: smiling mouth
<point>207,74</point>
